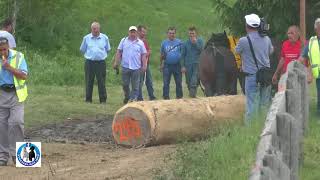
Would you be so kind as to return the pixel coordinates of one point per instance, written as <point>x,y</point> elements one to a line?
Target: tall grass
<point>228,154</point>
<point>311,163</point>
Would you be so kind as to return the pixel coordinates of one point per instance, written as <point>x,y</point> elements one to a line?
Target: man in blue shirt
<point>190,61</point>
<point>170,51</point>
<point>13,92</point>
<point>257,96</point>
<point>133,56</point>
<point>95,47</point>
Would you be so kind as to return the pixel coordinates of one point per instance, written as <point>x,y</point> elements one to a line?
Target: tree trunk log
<point>167,121</point>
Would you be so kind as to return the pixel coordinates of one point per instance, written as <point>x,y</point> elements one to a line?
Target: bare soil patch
<point>84,149</point>
<point>74,131</point>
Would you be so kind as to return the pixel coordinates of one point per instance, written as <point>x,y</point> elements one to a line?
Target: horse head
<point>217,39</point>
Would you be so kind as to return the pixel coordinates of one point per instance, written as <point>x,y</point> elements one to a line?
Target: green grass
<point>64,66</point>
<point>53,104</point>
<point>56,75</point>
<point>311,164</point>
<point>228,154</point>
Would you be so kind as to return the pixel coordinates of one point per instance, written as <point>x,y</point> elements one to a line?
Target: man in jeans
<point>132,54</point>
<point>257,96</point>
<point>170,51</point>
<point>145,76</point>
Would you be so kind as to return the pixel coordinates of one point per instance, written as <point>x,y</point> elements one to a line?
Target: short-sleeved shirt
<point>6,77</point>
<point>95,48</point>
<point>9,36</point>
<point>290,52</point>
<point>171,50</point>
<point>262,47</point>
<point>146,45</point>
<point>132,51</point>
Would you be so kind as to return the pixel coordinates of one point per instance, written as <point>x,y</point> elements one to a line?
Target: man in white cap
<point>131,53</point>
<point>257,95</point>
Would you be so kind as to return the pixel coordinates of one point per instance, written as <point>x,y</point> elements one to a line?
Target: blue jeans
<point>257,97</point>
<point>318,94</point>
<point>148,83</point>
<point>175,70</point>
<point>133,77</point>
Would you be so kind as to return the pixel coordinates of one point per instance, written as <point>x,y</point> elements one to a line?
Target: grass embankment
<point>311,164</point>
<point>231,154</point>
<point>228,154</point>
<point>56,77</point>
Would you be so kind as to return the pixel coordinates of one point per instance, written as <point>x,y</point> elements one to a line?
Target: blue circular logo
<point>28,154</point>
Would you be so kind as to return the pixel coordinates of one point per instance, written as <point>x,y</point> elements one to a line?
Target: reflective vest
<point>20,85</point>
<point>233,42</point>
<point>314,56</point>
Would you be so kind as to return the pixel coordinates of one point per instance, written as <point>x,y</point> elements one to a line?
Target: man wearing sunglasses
<point>13,92</point>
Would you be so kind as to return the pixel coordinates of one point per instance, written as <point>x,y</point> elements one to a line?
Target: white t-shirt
<point>11,40</point>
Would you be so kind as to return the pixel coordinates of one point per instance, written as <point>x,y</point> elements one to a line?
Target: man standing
<point>190,61</point>
<point>133,56</point>
<point>290,51</point>
<point>170,51</point>
<point>142,32</point>
<point>95,47</point>
<point>13,92</point>
<point>311,54</point>
<point>257,95</point>
<point>7,31</point>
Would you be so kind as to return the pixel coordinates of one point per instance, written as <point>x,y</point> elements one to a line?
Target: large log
<point>166,121</point>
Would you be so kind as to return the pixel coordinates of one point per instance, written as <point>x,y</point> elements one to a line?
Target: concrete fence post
<point>280,150</point>
<point>287,132</point>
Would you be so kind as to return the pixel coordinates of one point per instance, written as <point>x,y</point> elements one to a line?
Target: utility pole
<point>14,15</point>
<point>303,20</point>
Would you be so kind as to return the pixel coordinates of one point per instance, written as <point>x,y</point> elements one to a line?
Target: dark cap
<point>3,40</point>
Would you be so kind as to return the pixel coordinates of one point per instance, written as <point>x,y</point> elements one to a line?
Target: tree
<point>279,14</point>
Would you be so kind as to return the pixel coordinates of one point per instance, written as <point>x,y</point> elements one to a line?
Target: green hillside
<point>51,44</point>
<point>55,41</point>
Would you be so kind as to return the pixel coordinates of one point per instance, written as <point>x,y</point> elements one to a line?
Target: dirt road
<point>83,149</point>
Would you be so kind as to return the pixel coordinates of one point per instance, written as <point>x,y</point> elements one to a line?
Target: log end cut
<point>131,127</point>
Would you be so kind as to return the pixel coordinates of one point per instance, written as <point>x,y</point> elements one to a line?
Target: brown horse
<point>218,69</point>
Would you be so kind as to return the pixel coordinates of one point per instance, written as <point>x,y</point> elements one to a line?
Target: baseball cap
<point>132,28</point>
<point>3,40</point>
<point>252,20</point>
